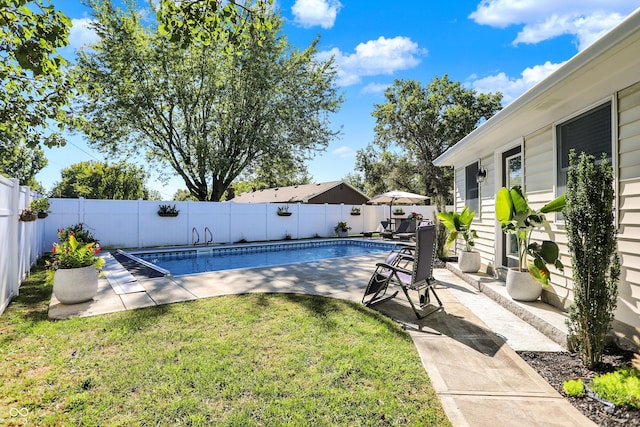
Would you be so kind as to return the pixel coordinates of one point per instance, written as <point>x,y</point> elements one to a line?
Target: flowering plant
<point>415,215</point>
<point>73,254</point>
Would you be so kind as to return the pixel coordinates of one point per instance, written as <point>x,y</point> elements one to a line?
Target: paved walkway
<point>467,350</point>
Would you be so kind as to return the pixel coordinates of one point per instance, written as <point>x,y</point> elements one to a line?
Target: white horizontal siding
<point>628,310</point>
<point>538,160</point>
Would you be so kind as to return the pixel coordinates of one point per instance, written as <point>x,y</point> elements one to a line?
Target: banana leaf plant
<point>459,224</point>
<point>517,218</point>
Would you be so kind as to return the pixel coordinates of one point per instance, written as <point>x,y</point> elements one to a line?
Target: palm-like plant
<point>459,224</point>
<point>517,218</point>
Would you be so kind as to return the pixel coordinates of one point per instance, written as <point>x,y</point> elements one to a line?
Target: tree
<point>384,171</point>
<point>35,87</point>
<point>591,237</point>
<point>208,113</point>
<point>204,21</point>
<point>23,163</point>
<point>182,195</point>
<point>424,122</point>
<point>97,180</point>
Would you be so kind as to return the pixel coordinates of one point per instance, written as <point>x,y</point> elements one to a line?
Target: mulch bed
<point>557,368</point>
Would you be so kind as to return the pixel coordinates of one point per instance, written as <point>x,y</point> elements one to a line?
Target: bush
<point>574,388</point>
<point>592,242</point>
<point>622,387</point>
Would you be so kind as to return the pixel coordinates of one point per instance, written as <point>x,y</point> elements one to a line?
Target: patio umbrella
<point>397,197</point>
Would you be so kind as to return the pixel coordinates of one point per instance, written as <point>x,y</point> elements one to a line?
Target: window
<point>589,133</point>
<point>471,186</point>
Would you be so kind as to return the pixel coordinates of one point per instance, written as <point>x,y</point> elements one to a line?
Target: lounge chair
<point>409,269</point>
<point>402,229</point>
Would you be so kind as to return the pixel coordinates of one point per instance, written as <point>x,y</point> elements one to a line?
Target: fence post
<point>14,263</point>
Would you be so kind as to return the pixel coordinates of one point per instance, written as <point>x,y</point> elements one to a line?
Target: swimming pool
<point>200,260</point>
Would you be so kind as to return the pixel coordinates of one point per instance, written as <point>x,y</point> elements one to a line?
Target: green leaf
<point>555,205</point>
<point>504,206</point>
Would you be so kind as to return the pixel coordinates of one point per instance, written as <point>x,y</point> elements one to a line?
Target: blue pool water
<point>201,260</point>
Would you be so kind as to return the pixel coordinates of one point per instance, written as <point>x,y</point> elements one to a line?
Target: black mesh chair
<point>411,269</point>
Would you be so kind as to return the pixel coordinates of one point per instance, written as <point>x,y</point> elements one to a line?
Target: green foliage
<point>517,218</point>
<point>459,224</point>
<point>168,209</point>
<point>622,387</point>
<point>77,248</point>
<point>98,180</point>
<point>212,109</point>
<point>421,123</point>
<point>182,195</point>
<point>74,254</point>
<point>574,388</point>
<point>341,226</point>
<point>80,231</point>
<point>40,205</point>
<point>591,234</point>
<point>35,85</point>
<point>21,162</point>
<point>441,240</point>
<point>205,21</point>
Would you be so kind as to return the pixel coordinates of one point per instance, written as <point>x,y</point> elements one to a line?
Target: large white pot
<point>522,287</point>
<point>75,285</point>
<point>469,262</point>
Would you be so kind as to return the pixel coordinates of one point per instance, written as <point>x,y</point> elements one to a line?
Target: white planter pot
<point>75,285</point>
<point>522,287</point>
<point>343,233</point>
<point>469,262</point>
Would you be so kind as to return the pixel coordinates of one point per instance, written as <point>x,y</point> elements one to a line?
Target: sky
<point>489,46</point>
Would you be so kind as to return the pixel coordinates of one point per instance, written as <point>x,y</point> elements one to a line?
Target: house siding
<point>628,310</point>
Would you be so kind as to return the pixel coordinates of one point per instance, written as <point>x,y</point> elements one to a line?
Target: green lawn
<point>249,360</point>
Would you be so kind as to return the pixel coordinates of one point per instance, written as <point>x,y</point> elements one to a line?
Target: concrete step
<point>549,320</point>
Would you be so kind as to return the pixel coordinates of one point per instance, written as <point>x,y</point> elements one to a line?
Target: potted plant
<point>168,210</point>
<point>342,229</point>
<point>284,210</point>
<point>41,206</point>
<point>28,215</point>
<point>459,225</point>
<point>355,210</point>
<point>74,268</point>
<point>517,218</point>
<point>398,211</point>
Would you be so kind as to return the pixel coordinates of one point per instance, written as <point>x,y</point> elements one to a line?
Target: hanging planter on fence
<point>28,215</point>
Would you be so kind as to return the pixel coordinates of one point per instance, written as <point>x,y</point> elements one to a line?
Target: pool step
<point>119,278</point>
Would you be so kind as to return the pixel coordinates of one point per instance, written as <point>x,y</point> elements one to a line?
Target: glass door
<point>512,174</point>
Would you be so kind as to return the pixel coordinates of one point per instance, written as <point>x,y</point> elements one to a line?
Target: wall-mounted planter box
<point>355,213</point>
<point>284,213</point>
<point>167,214</point>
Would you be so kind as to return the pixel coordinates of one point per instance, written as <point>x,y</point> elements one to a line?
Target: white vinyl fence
<point>136,224</point>
<point>21,243</point>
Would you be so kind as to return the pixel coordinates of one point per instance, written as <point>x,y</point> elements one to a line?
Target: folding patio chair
<point>409,269</point>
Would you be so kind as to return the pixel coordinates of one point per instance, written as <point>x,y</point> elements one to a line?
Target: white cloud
<point>512,88</point>
<point>344,152</point>
<point>381,56</point>
<point>545,19</point>
<point>309,13</point>
<point>80,34</point>
<point>375,87</point>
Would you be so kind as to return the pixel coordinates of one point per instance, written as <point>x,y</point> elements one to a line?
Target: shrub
<point>592,242</point>
<point>622,387</point>
<point>574,388</point>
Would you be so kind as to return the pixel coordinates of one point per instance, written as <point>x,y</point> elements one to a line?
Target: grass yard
<point>249,360</point>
